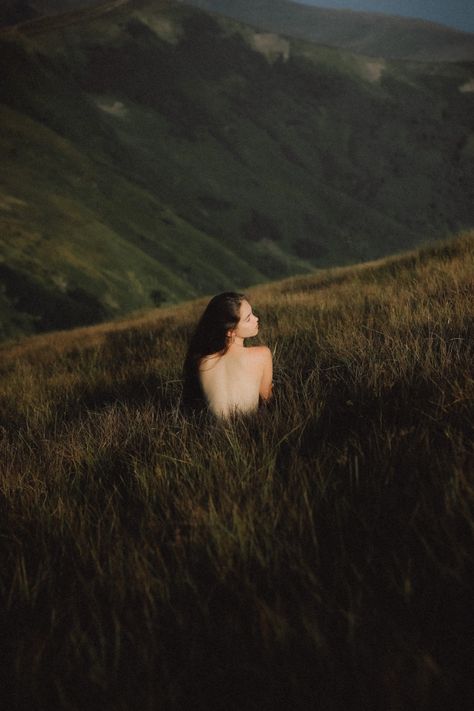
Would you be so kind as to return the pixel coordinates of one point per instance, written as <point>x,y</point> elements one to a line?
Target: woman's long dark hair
<point>221,315</point>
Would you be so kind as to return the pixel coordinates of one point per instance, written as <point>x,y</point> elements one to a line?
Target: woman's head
<point>220,318</point>
<point>247,326</point>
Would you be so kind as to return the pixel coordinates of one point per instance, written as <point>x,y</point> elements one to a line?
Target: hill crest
<point>404,266</point>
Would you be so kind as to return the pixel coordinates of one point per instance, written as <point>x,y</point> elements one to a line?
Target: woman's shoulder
<point>259,353</point>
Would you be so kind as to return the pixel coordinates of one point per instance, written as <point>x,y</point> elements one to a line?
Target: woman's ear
<point>231,335</point>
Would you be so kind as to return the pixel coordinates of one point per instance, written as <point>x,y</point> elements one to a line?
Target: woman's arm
<point>265,390</point>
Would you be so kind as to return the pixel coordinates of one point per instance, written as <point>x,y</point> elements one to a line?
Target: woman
<point>219,371</point>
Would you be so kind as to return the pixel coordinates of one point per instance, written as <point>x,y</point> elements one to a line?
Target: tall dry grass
<point>316,555</point>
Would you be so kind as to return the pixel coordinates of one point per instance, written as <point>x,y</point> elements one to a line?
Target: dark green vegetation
<point>368,33</point>
<point>152,153</point>
<point>316,556</point>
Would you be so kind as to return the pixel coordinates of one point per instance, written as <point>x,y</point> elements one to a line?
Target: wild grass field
<point>314,556</point>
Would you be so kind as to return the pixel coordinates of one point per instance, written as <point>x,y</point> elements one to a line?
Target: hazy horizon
<point>458,13</point>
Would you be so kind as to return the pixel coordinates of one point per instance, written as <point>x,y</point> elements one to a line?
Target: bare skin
<point>236,381</point>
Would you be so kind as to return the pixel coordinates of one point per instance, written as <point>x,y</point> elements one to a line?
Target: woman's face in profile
<point>248,323</point>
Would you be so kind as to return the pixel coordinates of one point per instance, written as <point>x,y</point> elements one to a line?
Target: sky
<point>454,13</point>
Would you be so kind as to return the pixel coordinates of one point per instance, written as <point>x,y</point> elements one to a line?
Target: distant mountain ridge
<point>373,34</point>
<point>457,14</point>
<point>153,152</point>
<point>370,33</point>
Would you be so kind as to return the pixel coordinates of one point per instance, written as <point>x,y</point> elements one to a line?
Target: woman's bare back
<point>235,381</point>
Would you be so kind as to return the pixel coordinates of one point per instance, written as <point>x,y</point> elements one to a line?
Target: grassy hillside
<point>369,33</point>
<point>151,153</point>
<point>316,555</point>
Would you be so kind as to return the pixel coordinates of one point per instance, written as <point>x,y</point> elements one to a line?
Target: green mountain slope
<point>368,33</point>
<point>151,153</point>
